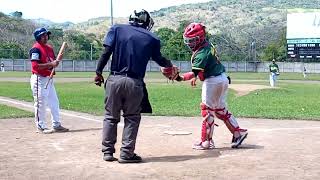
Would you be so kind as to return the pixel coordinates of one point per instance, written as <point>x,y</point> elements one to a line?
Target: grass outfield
<point>234,75</point>
<point>291,101</point>
<point>7,112</point>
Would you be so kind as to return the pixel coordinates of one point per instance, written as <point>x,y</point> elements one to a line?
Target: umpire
<point>131,46</point>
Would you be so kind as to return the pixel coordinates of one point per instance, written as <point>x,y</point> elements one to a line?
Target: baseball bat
<point>59,58</point>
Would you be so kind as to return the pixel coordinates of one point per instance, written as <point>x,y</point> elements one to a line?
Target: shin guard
<point>207,124</point>
<point>229,121</point>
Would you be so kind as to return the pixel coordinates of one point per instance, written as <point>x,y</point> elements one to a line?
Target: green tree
<point>80,45</point>
<point>276,50</point>
<point>16,14</point>
<point>12,50</point>
<point>165,34</point>
<point>172,43</point>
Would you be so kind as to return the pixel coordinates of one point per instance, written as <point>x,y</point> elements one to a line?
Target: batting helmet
<point>38,32</point>
<point>194,35</point>
<point>141,19</point>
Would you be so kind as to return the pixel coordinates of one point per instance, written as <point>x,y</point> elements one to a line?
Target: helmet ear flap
<point>150,25</point>
<point>141,19</point>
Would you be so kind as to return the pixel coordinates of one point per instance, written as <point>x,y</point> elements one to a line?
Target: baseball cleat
<point>236,142</point>
<point>58,129</point>
<point>42,130</point>
<point>206,145</point>
<point>134,159</point>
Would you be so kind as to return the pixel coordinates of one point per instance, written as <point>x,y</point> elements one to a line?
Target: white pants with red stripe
<point>214,92</point>
<point>44,98</point>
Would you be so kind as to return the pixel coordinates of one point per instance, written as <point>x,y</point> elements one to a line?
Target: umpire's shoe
<point>109,157</point>
<point>58,129</point>
<point>236,142</point>
<point>134,159</point>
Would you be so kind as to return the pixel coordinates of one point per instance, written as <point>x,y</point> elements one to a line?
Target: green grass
<point>265,76</point>
<point>83,97</point>
<point>7,112</point>
<point>59,74</point>
<point>290,101</point>
<point>156,75</point>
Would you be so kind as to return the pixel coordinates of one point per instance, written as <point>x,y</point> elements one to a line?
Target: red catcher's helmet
<point>194,35</point>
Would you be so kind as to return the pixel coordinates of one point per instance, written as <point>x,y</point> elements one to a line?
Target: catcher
<point>207,67</point>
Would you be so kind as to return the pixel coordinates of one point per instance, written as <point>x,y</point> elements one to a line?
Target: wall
<point>241,66</point>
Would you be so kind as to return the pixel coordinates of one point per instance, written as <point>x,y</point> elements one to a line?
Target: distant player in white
<point>42,62</point>
<point>2,67</point>
<point>304,72</point>
<point>274,72</point>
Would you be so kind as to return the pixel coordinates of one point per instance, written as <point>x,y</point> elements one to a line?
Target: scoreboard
<point>303,48</point>
<point>303,34</point>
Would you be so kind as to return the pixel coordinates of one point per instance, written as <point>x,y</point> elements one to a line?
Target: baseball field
<point>283,125</point>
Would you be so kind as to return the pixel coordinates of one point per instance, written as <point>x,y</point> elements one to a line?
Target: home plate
<point>177,133</point>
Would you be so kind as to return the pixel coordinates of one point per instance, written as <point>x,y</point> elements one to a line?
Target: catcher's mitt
<point>171,73</point>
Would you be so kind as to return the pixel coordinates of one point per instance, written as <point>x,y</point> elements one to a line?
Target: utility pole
<point>254,50</point>
<point>91,51</point>
<point>111,17</point>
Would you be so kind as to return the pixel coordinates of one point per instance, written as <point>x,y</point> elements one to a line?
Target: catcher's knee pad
<point>207,123</point>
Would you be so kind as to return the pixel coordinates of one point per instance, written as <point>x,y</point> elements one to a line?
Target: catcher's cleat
<point>236,142</point>
<point>206,145</point>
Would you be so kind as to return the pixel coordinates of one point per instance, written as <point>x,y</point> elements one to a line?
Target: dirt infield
<point>283,149</point>
<point>244,89</point>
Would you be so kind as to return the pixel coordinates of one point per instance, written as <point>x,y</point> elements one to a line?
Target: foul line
<point>62,113</point>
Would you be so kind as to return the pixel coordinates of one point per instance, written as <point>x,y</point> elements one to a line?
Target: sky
<point>82,10</point>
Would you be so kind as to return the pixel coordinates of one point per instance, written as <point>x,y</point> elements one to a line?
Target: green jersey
<point>274,67</point>
<point>206,61</point>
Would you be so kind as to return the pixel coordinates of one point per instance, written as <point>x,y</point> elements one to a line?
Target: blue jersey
<point>132,48</point>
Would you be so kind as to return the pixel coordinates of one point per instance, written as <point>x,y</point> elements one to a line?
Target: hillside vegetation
<point>242,29</point>
<point>249,30</point>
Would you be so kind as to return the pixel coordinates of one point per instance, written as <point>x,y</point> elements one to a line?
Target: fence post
<point>73,68</point>
<point>24,65</point>
<point>237,66</point>
<point>245,66</point>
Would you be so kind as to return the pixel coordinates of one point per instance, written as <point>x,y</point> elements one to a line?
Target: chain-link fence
<point>86,55</point>
<point>184,66</point>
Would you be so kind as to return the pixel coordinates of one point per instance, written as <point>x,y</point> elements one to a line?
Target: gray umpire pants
<point>122,93</point>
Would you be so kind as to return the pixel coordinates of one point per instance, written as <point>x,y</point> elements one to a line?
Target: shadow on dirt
<point>82,130</point>
<point>214,153</point>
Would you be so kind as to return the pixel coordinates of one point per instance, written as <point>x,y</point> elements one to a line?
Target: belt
<point>39,75</point>
<point>216,75</point>
<point>127,74</point>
